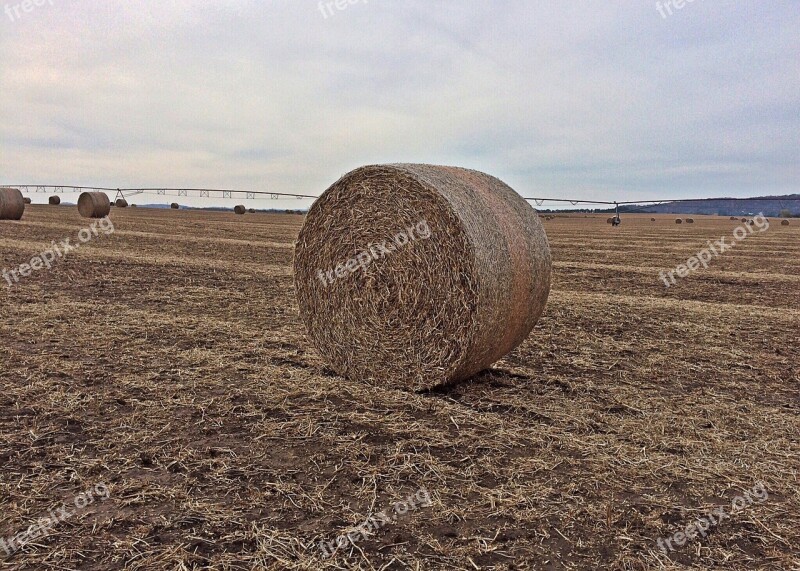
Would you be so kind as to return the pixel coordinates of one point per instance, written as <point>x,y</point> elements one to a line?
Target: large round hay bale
<point>175,206</point>
<point>239,209</point>
<point>678,221</point>
<point>12,204</point>
<point>94,205</point>
<point>417,275</point>
<point>785,223</point>
<point>121,203</point>
<point>54,200</point>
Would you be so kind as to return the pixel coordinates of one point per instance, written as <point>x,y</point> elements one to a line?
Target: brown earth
<point>167,361</point>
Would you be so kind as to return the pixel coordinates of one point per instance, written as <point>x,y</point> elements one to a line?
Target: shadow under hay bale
<point>12,204</point>
<point>239,209</point>
<point>54,200</point>
<point>94,205</point>
<point>418,275</point>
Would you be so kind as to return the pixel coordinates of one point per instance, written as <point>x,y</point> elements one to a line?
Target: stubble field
<point>167,363</point>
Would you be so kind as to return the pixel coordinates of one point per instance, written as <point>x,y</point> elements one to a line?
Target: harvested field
<point>168,362</point>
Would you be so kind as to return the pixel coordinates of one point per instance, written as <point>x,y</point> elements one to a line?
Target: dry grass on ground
<point>168,361</point>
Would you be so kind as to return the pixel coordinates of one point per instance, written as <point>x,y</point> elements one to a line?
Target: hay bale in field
<point>12,204</point>
<point>652,220</point>
<point>690,220</point>
<point>744,219</point>
<point>27,200</point>
<point>678,221</point>
<point>54,200</point>
<point>175,206</point>
<point>418,275</point>
<point>610,221</point>
<point>239,209</point>
<point>785,223</point>
<point>251,210</point>
<point>94,205</point>
<point>733,217</point>
<point>121,203</point>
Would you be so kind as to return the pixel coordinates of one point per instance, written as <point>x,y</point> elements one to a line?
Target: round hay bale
<point>610,221</point>
<point>251,210</point>
<point>121,203</point>
<point>12,204</point>
<point>678,221</point>
<point>54,200</point>
<point>418,275</point>
<point>733,217</point>
<point>175,206</point>
<point>744,219</point>
<point>239,209</point>
<point>652,220</point>
<point>690,220</point>
<point>94,205</point>
<point>27,200</point>
<point>785,223</point>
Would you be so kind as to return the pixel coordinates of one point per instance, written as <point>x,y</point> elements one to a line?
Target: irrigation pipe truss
<point>261,195</point>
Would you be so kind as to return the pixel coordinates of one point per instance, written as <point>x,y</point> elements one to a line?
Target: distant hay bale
<point>175,206</point>
<point>417,275</point>
<point>239,209</point>
<point>733,217</point>
<point>610,221</point>
<point>785,223</point>
<point>12,204</point>
<point>251,210</point>
<point>678,221</point>
<point>54,200</point>
<point>744,219</point>
<point>690,220</point>
<point>94,205</point>
<point>27,200</point>
<point>652,220</point>
<point>133,206</point>
<point>121,203</point>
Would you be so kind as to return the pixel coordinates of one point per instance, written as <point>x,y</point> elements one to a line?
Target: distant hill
<point>725,206</point>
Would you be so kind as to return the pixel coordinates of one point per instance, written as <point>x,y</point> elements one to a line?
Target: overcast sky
<point>602,99</point>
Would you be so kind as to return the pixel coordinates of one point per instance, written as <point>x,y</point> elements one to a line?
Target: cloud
<point>590,100</point>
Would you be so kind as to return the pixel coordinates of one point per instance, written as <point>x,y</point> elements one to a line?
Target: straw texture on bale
<point>12,204</point>
<point>174,206</point>
<point>121,203</point>
<point>239,209</point>
<point>94,205</point>
<point>418,275</point>
<point>785,223</point>
<point>54,200</point>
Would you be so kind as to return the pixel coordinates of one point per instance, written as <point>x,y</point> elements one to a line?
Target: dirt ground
<point>163,368</point>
